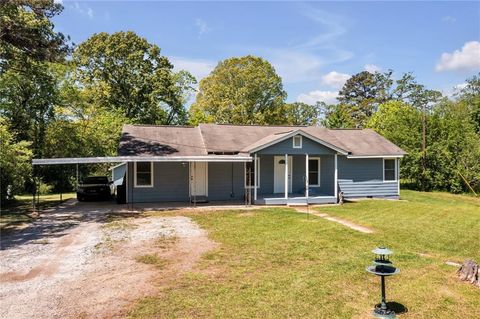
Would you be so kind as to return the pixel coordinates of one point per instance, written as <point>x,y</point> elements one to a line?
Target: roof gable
<point>277,138</point>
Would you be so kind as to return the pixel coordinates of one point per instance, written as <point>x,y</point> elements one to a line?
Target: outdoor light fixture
<point>382,267</point>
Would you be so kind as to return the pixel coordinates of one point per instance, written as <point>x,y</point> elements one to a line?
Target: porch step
<point>199,199</point>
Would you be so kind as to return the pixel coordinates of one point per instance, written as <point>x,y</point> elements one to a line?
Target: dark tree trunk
<point>470,271</point>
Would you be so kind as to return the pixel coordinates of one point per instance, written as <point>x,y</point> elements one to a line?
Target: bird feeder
<point>383,267</point>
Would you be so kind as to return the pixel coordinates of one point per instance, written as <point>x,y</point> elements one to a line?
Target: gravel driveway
<point>80,260</point>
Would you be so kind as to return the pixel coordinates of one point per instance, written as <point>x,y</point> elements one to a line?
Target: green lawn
<point>277,263</point>
<point>19,210</point>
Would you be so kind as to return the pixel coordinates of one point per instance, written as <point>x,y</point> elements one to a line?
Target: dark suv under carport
<point>95,187</point>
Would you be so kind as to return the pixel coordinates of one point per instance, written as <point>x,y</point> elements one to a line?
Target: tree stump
<point>470,272</point>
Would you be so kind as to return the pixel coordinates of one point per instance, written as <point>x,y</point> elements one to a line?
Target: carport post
<point>76,186</point>
<point>34,188</point>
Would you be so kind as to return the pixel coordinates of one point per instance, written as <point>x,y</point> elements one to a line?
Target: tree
<point>299,113</point>
<point>15,157</point>
<point>26,32</point>
<point>27,99</point>
<point>122,71</point>
<point>470,94</point>
<point>362,94</point>
<point>244,90</point>
<point>337,116</point>
<point>365,91</point>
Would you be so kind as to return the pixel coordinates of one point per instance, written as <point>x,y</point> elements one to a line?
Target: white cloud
<point>202,27</point>
<point>329,97</point>
<point>468,58</point>
<point>82,9</point>
<point>449,19</point>
<point>303,61</point>
<point>197,67</point>
<point>451,92</point>
<point>372,68</point>
<point>90,13</point>
<point>335,79</point>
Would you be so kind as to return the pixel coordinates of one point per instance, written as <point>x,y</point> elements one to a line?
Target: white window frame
<point>395,170</point>
<point>319,174</point>
<point>245,175</point>
<point>301,141</point>
<point>135,176</point>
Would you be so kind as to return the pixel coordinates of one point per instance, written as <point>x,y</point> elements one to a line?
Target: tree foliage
<point>15,168</point>
<point>364,92</point>
<point>244,90</point>
<point>26,32</point>
<point>27,99</point>
<point>299,113</point>
<point>123,72</point>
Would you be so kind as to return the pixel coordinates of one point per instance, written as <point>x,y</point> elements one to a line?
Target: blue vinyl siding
<point>225,181</point>
<point>266,174</point>
<point>364,177</point>
<point>170,183</point>
<point>286,147</point>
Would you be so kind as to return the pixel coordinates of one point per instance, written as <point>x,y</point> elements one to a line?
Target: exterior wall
<point>286,147</point>
<point>327,175</point>
<point>364,177</point>
<point>226,181</point>
<point>170,183</point>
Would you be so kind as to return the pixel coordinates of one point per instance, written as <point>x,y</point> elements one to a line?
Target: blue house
<point>259,164</point>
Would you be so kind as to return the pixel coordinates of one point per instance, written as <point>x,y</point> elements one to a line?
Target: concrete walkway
<point>343,222</point>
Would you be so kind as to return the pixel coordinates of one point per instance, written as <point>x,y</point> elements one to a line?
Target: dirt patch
<point>93,270</point>
<point>343,222</point>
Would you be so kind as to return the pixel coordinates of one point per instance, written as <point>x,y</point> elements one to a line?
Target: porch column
<point>306,175</point>
<point>286,176</point>
<point>255,177</point>
<point>336,178</point>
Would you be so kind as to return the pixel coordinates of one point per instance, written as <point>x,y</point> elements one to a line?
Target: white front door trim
<point>279,174</point>
<point>198,179</point>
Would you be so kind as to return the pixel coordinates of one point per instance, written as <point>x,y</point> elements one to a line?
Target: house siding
<point>364,177</point>
<point>170,183</point>
<point>225,181</point>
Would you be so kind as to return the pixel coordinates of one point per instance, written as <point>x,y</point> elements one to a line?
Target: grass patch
<point>278,263</point>
<point>152,259</point>
<point>17,211</point>
<point>165,242</point>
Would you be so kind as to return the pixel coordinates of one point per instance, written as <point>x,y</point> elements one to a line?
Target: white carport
<point>132,159</point>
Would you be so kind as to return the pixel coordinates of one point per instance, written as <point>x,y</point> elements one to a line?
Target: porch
<point>279,199</point>
<point>292,178</point>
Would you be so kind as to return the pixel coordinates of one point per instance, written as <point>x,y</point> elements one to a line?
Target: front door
<point>279,174</point>
<point>199,179</point>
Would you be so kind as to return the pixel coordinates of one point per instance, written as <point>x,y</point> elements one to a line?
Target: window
<point>389,170</point>
<point>143,174</point>
<point>250,174</point>
<point>297,141</point>
<point>314,171</point>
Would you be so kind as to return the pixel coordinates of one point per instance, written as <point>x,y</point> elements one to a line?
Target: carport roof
<point>127,159</point>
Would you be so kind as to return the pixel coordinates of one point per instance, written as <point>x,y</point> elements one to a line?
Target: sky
<point>314,46</point>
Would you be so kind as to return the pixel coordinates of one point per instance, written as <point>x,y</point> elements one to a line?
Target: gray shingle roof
<point>150,140</point>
